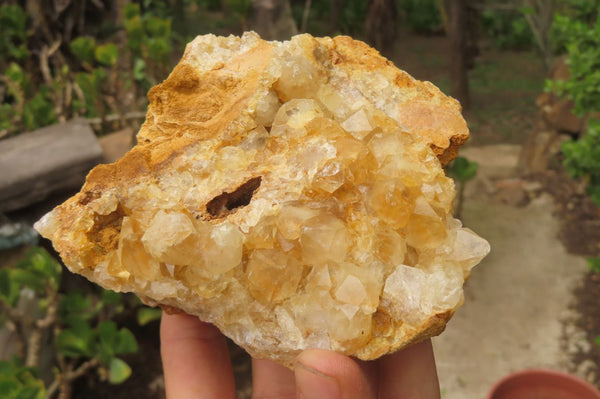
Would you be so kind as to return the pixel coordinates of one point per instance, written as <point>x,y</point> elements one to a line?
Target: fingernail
<point>312,384</point>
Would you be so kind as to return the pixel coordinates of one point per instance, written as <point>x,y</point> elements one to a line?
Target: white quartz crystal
<point>292,193</point>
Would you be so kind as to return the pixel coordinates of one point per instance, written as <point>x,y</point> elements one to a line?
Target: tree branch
<point>305,14</point>
<point>38,328</point>
<point>64,378</point>
<point>82,369</point>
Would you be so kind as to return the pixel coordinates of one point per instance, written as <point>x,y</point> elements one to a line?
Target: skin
<point>196,365</point>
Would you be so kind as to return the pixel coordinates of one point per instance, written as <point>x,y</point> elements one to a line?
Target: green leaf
<point>594,264</point>
<point>109,340</point>
<point>16,74</point>
<point>119,371</point>
<point>135,34</point>
<point>39,110</point>
<point>75,302</point>
<point>25,278</point>
<point>107,54</point>
<point>147,315</point>
<point>240,7</point>
<point>43,265</point>
<point>108,334</point>
<point>90,83</point>
<point>71,345</point>
<point>527,10</point>
<point>582,159</point>
<point>8,368</point>
<point>126,342</point>
<point>110,297</point>
<point>116,341</point>
<point>20,52</point>
<point>83,48</point>
<point>463,169</point>
<point>132,10</point>
<point>19,382</point>
<point>37,270</point>
<point>139,69</point>
<point>30,392</point>
<point>77,340</point>
<point>74,308</point>
<point>158,27</point>
<point>13,22</point>
<point>158,49</point>
<point>9,289</point>
<point>9,387</point>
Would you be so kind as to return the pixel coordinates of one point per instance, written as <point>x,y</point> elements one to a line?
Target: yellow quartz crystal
<point>292,193</point>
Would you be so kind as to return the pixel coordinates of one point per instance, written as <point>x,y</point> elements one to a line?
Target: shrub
<point>582,159</point>
<point>582,44</point>
<point>44,82</point>
<point>507,29</point>
<point>462,170</point>
<point>422,16</point>
<point>79,326</point>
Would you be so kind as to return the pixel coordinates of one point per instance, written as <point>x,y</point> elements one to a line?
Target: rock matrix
<point>292,193</point>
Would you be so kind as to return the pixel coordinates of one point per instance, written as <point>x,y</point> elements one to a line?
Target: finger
<point>329,375</point>
<point>409,373</point>
<point>195,359</point>
<point>271,380</point>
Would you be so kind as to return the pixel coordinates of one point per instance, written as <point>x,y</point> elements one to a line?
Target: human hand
<point>196,365</point>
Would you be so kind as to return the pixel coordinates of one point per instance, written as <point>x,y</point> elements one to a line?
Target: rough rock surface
<point>291,193</point>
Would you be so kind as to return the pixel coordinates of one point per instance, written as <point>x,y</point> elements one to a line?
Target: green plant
<point>422,16</point>
<point>107,68</point>
<point>352,17</point>
<point>594,264</point>
<point>462,170</point>
<point>579,35</point>
<point>18,381</point>
<point>349,16</point>
<point>582,44</point>
<point>84,48</point>
<point>79,325</point>
<point>149,38</point>
<point>240,10</point>
<point>23,105</point>
<point>91,83</point>
<point>507,29</point>
<point>582,159</point>
<point>13,34</point>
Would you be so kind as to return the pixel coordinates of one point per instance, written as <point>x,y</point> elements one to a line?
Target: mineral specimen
<point>290,193</point>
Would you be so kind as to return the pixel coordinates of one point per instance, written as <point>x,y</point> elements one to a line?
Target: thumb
<point>322,374</point>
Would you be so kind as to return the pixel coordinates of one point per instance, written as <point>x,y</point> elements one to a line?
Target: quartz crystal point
<point>292,193</point>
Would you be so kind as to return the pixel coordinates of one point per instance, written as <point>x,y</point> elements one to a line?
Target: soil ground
<point>520,310</point>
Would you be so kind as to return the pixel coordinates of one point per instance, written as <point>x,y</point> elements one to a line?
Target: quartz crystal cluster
<point>292,193</point>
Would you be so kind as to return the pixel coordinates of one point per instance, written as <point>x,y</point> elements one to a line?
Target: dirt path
<point>518,298</point>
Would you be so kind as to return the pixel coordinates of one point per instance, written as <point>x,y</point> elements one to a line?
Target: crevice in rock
<point>224,203</point>
<point>106,229</point>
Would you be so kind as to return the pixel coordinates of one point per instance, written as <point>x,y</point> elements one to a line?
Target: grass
<point>507,71</point>
<point>504,86</point>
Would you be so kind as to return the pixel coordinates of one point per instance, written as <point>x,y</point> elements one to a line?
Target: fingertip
<point>324,374</point>
<point>325,361</point>
<point>271,380</point>
<point>180,326</point>
<point>312,383</point>
<point>410,372</point>
<point>195,359</point>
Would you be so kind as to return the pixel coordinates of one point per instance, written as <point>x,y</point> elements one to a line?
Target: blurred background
<point>73,82</point>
